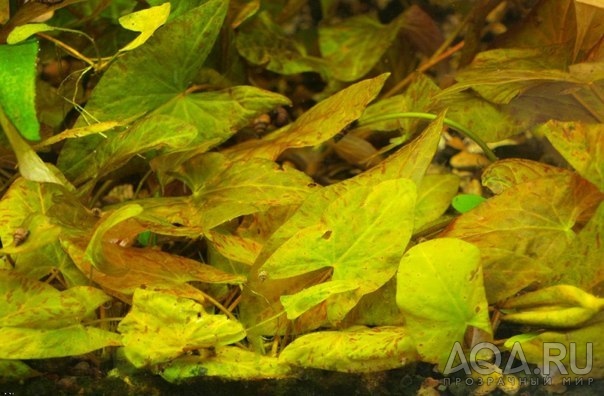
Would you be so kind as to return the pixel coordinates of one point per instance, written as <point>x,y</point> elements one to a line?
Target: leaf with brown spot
<point>147,267</point>
<point>503,174</point>
<point>315,126</point>
<point>582,145</point>
<point>526,227</point>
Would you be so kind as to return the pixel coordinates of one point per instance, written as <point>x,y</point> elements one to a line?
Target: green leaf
<point>218,114</point>
<point>301,302</point>
<point>150,268</point>
<point>51,343</point>
<point>500,75</point>
<point>223,190</point>
<point>362,235</point>
<point>503,174</point>
<point>524,228</point>
<point>354,350</point>
<point>94,251</point>
<point>37,305</point>
<point>182,45</point>
<point>23,32</point>
<point>465,202</point>
<point>194,121</point>
<point>17,87</point>
<point>490,121</point>
<point>149,133</point>
<point>440,291</point>
<point>31,166</point>
<point>155,332</point>
<point>355,45</point>
<point>417,98</point>
<point>235,247</point>
<point>262,42</point>
<point>551,26</point>
<point>45,211</point>
<point>146,22</point>
<point>411,161</point>
<point>581,145</point>
<point>434,196</point>
<point>581,263</point>
<point>515,89</point>
<point>37,319</point>
<point>15,370</point>
<point>318,124</point>
<point>579,340</point>
<point>228,363</point>
<point>561,306</point>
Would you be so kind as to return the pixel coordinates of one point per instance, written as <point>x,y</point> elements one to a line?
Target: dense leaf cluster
<point>236,250</point>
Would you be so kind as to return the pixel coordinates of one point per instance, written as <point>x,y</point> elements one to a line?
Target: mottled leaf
<point>295,305</point>
<point>353,46</point>
<point>37,305</point>
<point>551,25</point>
<point>224,189</point>
<point>582,145</point>
<point>440,291</point>
<point>317,125</point>
<point>502,74</point>
<point>525,227</point>
<point>411,161</point>
<point>585,361</point>
<point>561,306</point>
<point>94,252</point>
<point>51,343</point>
<point>503,174</point>
<point>37,319</point>
<point>362,235</point>
<point>150,133</point>
<point>434,196</point>
<point>148,267</point>
<point>262,42</point>
<point>42,212</point>
<point>160,327</point>
<point>581,263</point>
<point>229,363</point>
<point>357,349</point>
<point>235,247</point>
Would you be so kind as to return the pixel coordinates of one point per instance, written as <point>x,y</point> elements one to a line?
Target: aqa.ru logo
<point>551,365</point>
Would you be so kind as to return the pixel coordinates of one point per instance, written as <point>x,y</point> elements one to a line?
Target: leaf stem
<point>265,321</point>
<point>218,305</point>
<point>423,68</point>
<point>75,53</point>
<point>429,116</point>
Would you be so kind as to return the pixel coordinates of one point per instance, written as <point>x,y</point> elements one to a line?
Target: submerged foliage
<point>238,250</point>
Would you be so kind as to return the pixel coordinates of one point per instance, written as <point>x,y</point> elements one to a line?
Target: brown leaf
<point>524,228</point>
<point>149,268</point>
